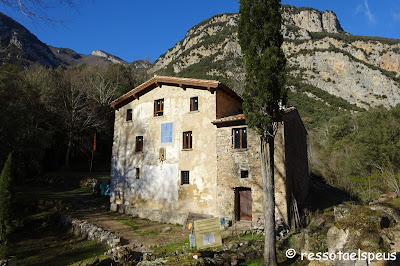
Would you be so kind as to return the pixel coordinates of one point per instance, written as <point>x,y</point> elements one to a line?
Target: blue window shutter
<point>166,132</point>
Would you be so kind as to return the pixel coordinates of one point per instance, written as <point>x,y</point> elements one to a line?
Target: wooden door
<point>245,204</point>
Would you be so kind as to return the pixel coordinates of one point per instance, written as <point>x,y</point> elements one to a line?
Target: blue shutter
<point>166,133</point>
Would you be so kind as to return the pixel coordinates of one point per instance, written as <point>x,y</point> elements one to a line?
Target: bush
<point>6,207</point>
<point>361,153</point>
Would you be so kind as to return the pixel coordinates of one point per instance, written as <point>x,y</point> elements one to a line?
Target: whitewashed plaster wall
<point>159,185</point>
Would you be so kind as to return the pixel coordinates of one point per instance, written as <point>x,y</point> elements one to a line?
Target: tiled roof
<point>240,117</point>
<point>231,118</point>
<point>164,80</point>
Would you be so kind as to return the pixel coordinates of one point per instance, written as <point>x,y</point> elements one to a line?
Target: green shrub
<point>6,208</point>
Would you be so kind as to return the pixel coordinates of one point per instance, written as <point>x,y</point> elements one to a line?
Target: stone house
<point>182,146</point>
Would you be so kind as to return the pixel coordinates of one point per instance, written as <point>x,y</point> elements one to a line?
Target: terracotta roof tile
<point>229,118</point>
<point>240,117</point>
<point>164,80</point>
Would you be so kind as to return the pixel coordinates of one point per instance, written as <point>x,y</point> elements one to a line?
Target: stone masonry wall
<point>230,162</point>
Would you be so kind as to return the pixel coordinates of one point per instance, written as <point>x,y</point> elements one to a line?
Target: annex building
<point>182,146</point>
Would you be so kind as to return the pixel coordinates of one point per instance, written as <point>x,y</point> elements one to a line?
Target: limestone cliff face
<point>109,57</point>
<point>18,45</point>
<point>362,70</point>
<point>311,19</point>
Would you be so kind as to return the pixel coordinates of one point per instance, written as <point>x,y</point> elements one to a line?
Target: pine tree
<point>260,40</point>
<point>6,205</point>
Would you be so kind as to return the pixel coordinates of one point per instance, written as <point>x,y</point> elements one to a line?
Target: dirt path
<point>135,230</point>
<point>82,204</point>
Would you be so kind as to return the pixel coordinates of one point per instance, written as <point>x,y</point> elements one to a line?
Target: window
<point>187,140</point>
<point>159,107</point>
<point>194,104</point>
<point>166,133</point>
<point>129,115</point>
<point>137,173</point>
<point>184,177</point>
<point>139,143</point>
<point>240,138</point>
<point>244,174</point>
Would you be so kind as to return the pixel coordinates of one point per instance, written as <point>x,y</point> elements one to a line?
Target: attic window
<point>194,104</point>
<point>184,177</point>
<point>159,107</point>
<point>129,115</point>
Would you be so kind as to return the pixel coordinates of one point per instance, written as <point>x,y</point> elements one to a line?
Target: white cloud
<point>364,8</point>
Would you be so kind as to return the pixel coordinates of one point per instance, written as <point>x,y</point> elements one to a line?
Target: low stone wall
<point>91,232</point>
<point>151,214</point>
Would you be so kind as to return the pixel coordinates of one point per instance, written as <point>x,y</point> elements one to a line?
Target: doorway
<point>243,204</point>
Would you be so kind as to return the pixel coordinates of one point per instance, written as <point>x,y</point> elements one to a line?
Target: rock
<point>382,222</point>
<point>232,245</point>
<point>336,238</point>
<point>391,195</point>
<point>319,222</point>
<point>341,211</point>
<point>234,260</point>
<point>392,213</point>
<point>166,229</point>
<point>371,241</point>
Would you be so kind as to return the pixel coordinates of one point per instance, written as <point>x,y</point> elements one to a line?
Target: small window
<point>187,140</point>
<point>129,115</point>
<point>184,177</point>
<point>240,138</point>
<point>137,173</point>
<point>244,174</point>
<point>139,143</point>
<point>194,104</point>
<point>159,107</point>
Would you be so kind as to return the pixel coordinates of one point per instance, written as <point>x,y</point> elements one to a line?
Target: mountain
<point>68,57</point>
<point>19,46</point>
<point>323,59</point>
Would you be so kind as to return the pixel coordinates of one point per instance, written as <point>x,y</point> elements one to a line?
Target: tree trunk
<point>267,172</point>
<point>68,154</point>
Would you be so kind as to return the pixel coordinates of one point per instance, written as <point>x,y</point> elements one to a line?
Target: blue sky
<point>134,29</point>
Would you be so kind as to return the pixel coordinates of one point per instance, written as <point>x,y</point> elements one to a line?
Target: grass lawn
<point>39,240</point>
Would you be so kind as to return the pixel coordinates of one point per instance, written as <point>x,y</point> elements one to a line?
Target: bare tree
<point>36,8</point>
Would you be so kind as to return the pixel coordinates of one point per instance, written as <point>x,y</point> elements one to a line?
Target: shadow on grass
<point>56,249</point>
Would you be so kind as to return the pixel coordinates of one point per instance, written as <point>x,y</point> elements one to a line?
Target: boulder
<point>336,238</point>
<point>319,222</point>
<point>341,211</point>
<point>371,241</point>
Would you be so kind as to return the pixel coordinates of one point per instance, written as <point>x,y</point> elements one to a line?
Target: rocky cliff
<point>364,71</point>
<point>18,45</point>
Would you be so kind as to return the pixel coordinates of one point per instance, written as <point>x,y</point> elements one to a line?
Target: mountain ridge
<point>362,70</point>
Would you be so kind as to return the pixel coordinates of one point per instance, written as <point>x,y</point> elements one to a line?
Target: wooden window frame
<point>160,111</point>
<point>185,178</point>
<point>187,145</point>
<point>192,104</point>
<point>129,114</point>
<point>139,144</point>
<point>241,138</point>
